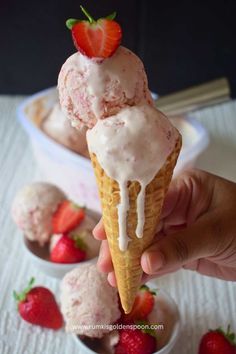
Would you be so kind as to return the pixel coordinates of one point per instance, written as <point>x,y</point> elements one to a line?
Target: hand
<point>197,230</point>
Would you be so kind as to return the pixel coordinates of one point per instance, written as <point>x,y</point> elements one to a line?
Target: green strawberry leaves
<point>71,22</point>
<point>22,296</point>
<point>146,288</point>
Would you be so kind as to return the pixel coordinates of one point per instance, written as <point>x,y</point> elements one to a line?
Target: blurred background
<point>182,43</point>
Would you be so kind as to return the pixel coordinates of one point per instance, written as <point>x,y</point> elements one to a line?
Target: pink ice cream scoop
<point>57,126</point>
<point>92,89</point>
<point>32,210</point>
<point>88,303</point>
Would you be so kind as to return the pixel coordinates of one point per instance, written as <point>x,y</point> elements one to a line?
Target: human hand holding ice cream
<point>133,147</point>
<point>195,231</point>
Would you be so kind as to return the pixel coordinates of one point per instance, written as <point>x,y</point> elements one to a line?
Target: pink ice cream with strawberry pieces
<point>92,89</point>
<point>88,302</point>
<point>33,208</point>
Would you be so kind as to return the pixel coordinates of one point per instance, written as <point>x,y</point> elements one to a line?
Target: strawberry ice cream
<point>32,210</point>
<point>133,151</point>
<point>84,232</point>
<point>58,127</point>
<point>92,89</point>
<point>89,303</point>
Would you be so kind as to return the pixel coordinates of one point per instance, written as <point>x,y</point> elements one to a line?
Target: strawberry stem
<point>79,243</point>
<point>91,20</point>
<point>71,22</point>
<point>111,16</point>
<point>146,288</point>
<point>146,328</point>
<point>77,206</point>
<point>229,335</point>
<point>22,296</point>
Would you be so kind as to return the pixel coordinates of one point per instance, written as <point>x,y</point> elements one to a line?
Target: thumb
<point>175,250</point>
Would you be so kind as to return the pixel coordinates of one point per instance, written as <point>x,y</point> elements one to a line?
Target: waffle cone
<point>126,264</point>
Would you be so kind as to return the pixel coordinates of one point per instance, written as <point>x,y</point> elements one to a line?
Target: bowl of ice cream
<point>57,232</point>
<point>66,164</point>
<point>92,313</point>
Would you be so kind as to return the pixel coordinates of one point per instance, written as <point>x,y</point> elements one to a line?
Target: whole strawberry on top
<point>218,342</point>
<point>93,38</point>
<point>38,306</point>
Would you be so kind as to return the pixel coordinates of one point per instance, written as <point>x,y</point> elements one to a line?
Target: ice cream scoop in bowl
<point>164,319</point>
<point>57,232</point>
<point>40,255</point>
<point>93,314</point>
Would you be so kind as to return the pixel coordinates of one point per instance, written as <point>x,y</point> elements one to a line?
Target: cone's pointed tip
<point>127,308</point>
<point>127,311</point>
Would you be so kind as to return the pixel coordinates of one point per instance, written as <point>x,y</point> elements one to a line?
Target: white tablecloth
<point>204,302</point>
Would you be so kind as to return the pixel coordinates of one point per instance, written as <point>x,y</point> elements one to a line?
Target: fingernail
<point>111,279</point>
<point>152,261</point>
<point>100,257</point>
<point>94,232</point>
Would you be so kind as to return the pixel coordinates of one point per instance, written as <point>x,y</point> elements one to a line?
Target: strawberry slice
<point>68,250</point>
<point>143,305</point>
<point>95,39</point>
<point>67,216</point>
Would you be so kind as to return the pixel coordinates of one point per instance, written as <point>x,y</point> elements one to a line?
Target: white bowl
<point>89,346</point>
<point>72,172</point>
<point>39,256</point>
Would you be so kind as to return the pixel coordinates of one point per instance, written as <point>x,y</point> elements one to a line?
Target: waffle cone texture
<point>126,264</point>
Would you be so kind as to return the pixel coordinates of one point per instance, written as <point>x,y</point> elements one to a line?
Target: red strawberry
<point>95,39</point>
<point>143,305</point>
<point>67,217</point>
<point>134,341</point>
<point>68,250</point>
<point>218,342</point>
<point>38,306</point>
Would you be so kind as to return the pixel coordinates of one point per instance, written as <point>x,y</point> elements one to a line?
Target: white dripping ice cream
<point>132,145</point>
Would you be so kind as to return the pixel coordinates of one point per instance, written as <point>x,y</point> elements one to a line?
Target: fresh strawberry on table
<point>135,341</point>
<point>218,342</point>
<point>67,216</point>
<point>95,39</point>
<point>143,305</point>
<point>68,250</point>
<point>38,306</point>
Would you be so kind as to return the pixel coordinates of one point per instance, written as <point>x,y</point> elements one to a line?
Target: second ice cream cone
<point>127,266</point>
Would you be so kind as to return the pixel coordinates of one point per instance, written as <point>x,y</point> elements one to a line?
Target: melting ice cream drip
<point>141,210</point>
<point>123,208</point>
